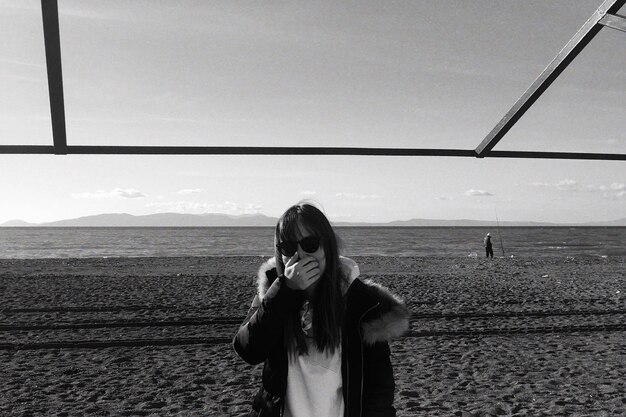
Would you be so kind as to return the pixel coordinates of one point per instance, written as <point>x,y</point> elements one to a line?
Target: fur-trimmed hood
<point>265,277</point>
<point>387,316</point>
<point>389,320</point>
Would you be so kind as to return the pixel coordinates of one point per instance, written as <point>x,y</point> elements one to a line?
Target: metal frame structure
<point>606,12</point>
<point>604,16</point>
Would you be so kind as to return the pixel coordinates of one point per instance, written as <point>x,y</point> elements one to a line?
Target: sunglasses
<point>309,244</point>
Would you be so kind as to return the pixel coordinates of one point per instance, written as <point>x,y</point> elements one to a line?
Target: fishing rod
<point>499,235</point>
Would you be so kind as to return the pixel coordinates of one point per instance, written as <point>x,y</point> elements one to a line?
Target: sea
<point>455,242</point>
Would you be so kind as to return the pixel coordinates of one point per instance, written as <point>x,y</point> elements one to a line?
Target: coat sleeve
<point>378,381</point>
<point>262,329</point>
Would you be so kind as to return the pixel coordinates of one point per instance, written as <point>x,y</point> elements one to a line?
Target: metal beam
<point>557,155</point>
<point>50,14</point>
<point>614,21</point>
<point>260,150</point>
<point>26,149</point>
<point>584,35</point>
<point>235,150</point>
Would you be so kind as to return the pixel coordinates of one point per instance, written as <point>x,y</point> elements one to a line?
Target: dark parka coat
<point>373,317</point>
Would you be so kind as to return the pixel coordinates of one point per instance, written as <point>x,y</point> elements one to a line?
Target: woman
<point>321,332</point>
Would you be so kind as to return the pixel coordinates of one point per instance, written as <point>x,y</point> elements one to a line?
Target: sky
<point>415,74</point>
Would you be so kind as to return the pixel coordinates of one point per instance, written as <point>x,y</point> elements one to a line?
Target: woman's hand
<point>302,273</point>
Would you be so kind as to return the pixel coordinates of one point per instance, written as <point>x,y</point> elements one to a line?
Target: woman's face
<point>318,255</point>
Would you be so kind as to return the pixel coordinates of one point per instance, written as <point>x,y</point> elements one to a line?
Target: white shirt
<point>314,381</point>
<point>314,384</point>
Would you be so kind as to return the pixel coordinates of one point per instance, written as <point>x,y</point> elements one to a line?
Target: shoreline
<point>474,255</point>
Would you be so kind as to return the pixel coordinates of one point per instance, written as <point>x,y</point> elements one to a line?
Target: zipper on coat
<point>348,377</point>
<point>362,358</point>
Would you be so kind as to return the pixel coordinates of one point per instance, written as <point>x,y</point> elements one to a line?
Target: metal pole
<point>50,15</point>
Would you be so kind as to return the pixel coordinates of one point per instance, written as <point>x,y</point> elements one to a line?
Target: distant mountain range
<point>154,220</point>
<point>224,220</point>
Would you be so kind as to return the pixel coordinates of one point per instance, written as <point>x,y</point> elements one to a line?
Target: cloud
<point>193,207</point>
<point>567,185</point>
<point>444,198</point>
<point>478,193</point>
<point>229,207</point>
<point>128,193</point>
<point>307,193</point>
<point>613,191</point>
<point>354,196</point>
<point>188,191</point>
<point>181,206</point>
<point>563,185</point>
<point>116,193</point>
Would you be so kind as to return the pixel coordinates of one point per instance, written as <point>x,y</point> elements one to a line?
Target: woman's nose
<point>301,252</point>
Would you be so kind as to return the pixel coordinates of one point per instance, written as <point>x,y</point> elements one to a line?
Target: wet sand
<point>149,336</point>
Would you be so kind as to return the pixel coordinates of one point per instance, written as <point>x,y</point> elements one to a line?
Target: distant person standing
<point>488,246</point>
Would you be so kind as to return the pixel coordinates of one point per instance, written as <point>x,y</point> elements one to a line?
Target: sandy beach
<point>150,336</point>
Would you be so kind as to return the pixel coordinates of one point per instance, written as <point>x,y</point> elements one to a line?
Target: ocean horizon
<point>466,241</point>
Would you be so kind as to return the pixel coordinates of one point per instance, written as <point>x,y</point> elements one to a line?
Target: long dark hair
<point>327,302</point>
